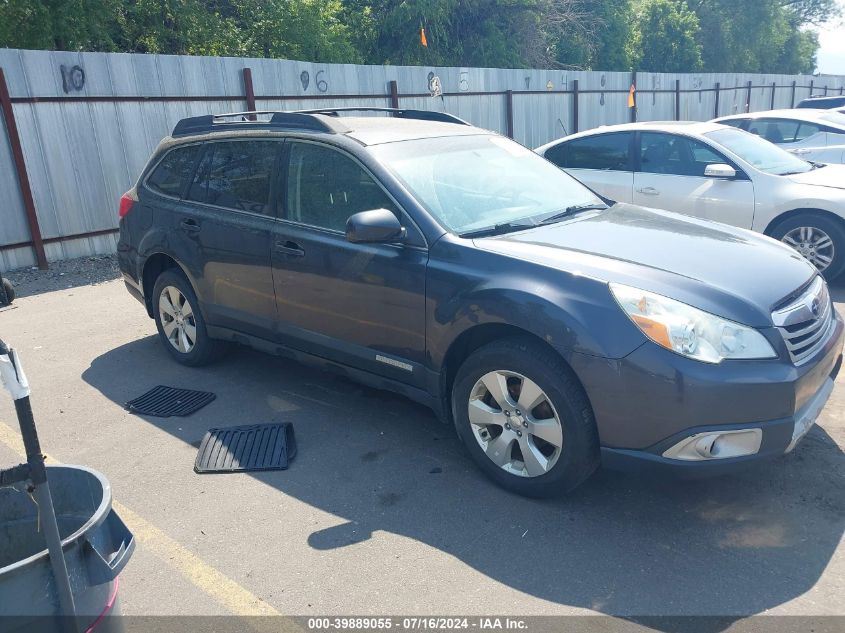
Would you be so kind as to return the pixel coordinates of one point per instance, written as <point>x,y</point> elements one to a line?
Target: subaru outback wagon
<point>555,329</point>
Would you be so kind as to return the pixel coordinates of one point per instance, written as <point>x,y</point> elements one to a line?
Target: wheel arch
<point>154,265</point>
<point>787,215</point>
<point>474,338</point>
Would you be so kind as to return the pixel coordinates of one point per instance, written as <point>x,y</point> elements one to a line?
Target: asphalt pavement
<point>382,513</point>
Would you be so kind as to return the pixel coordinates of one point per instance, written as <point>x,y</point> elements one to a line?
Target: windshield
<point>759,153</point>
<point>834,117</point>
<point>474,182</point>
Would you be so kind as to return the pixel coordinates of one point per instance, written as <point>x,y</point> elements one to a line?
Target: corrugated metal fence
<point>82,125</point>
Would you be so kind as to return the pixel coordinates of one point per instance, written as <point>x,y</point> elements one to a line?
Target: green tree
<point>765,36</point>
<point>604,44</point>
<point>664,37</point>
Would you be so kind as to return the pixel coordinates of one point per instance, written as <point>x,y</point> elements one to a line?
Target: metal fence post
<point>774,87</point>
<point>509,111</point>
<point>634,109</point>
<point>792,99</point>
<point>394,94</point>
<point>574,106</point>
<point>811,87</point>
<point>23,178</point>
<point>716,109</point>
<point>748,98</point>
<point>249,92</point>
<point>677,99</point>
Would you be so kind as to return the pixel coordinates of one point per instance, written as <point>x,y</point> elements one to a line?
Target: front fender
<point>573,314</point>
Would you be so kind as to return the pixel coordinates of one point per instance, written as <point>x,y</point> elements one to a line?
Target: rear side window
<point>236,175</point>
<point>173,171</point>
<point>602,151</point>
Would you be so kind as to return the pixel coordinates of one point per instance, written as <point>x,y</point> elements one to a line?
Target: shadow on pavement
<point>620,545</point>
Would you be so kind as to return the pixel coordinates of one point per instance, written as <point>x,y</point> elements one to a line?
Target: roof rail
<point>320,120</point>
<point>204,124</point>
<point>399,113</point>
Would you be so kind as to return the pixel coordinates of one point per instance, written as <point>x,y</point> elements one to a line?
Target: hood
<point>727,271</point>
<point>828,176</point>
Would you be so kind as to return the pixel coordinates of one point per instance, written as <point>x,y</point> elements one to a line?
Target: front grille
<point>806,322</point>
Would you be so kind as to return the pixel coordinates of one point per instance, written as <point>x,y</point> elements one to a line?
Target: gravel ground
<point>85,271</point>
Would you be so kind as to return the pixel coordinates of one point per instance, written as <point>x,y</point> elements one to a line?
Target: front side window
<point>479,181</point>
<point>759,153</point>
<point>236,175</point>
<point>602,151</point>
<point>775,131</point>
<point>325,187</point>
<point>806,130</point>
<point>172,173</point>
<point>675,155</point>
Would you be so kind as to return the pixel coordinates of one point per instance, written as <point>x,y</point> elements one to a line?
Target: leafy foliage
<point>657,35</point>
<point>665,37</point>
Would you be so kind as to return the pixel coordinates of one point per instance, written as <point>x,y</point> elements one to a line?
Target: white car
<point>715,172</point>
<point>817,135</point>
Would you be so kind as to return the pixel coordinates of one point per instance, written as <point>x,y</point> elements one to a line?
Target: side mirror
<point>718,170</point>
<point>377,225</point>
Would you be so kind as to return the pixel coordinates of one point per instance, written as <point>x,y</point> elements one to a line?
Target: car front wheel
<point>524,418</point>
<point>180,324</point>
<point>821,240</point>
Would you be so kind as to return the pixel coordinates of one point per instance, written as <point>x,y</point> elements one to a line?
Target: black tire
<point>830,226</point>
<point>205,349</point>
<point>579,455</point>
<point>10,292</point>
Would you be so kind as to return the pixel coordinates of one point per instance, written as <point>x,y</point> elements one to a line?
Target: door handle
<point>190,225</point>
<point>648,191</point>
<point>290,247</point>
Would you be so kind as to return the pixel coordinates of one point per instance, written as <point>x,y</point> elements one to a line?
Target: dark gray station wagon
<point>555,329</point>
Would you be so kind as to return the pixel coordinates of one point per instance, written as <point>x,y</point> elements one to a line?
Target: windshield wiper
<point>499,229</point>
<point>576,208</point>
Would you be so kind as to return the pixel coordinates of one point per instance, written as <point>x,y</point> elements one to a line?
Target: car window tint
<point>236,175</point>
<point>557,154</point>
<point>733,122</point>
<point>173,171</point>
<point>325,187</point>
<point>602,151</point>
<point>806,130</point>
<point>775,131</point>
<point>676,155</point>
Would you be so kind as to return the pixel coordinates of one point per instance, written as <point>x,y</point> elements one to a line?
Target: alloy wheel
<point>813,243</point>
<point>515,423</point>
<point>177,319</point>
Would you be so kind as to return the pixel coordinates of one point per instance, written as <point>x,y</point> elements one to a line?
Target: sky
<point>831,56</point>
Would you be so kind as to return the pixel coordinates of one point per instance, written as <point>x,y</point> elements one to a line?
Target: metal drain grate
<point>245,448</point>
<point>163,402</point>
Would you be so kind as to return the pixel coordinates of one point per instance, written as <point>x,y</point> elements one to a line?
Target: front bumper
<point>653,399</point>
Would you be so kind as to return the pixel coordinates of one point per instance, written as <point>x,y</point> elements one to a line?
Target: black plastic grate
<point>163,402</point>
<point>245,448</point>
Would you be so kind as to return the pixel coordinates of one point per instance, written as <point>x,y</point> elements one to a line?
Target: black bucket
<point>96,543</point>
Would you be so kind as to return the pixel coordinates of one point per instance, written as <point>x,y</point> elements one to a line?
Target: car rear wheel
<point>180,324</point>
<point>524,418</point>
<point>821,240</point>
<point>9,292</point>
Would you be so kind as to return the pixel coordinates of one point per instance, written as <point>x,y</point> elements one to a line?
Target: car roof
<point>376,130</point>
<point>798,114</point>
<point>690,128</point>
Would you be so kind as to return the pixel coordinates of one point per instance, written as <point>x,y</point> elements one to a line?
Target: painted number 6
<point>322,84</point>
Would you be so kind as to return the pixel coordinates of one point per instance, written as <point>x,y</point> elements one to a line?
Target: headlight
<point>690,331</point>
